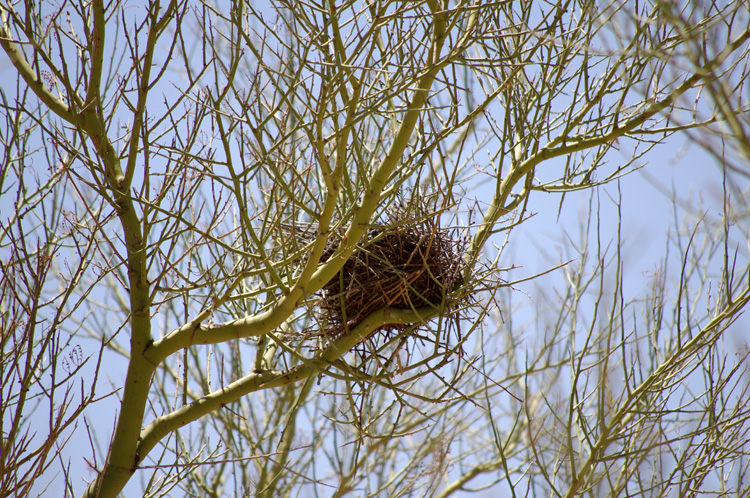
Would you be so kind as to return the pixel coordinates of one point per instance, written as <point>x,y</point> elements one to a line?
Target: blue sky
<point>540,242</point>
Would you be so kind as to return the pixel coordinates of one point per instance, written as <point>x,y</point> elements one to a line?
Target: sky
<point>539,243</point>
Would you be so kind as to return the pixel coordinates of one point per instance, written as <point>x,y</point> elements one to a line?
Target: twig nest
<point>404,265</point>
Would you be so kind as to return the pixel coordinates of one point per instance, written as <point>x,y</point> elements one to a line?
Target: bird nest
<point>405,265</point>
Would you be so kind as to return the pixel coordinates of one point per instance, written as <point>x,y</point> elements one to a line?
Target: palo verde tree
<point>271,243</point>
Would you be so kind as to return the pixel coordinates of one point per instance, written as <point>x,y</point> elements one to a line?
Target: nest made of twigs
<point>404,265</point>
